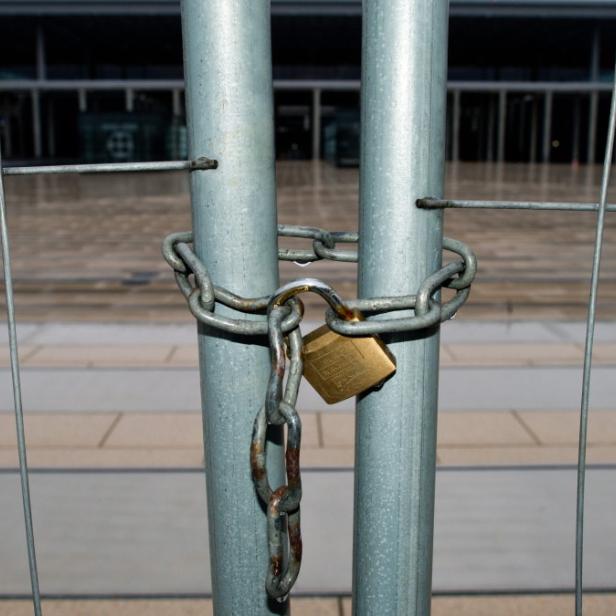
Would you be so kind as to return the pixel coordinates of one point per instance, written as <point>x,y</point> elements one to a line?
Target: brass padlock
<point>340,367</point>
<point>337,366</point>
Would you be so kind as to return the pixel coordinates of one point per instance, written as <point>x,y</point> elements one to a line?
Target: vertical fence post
<point>402,158</point>
<point>229,98</point>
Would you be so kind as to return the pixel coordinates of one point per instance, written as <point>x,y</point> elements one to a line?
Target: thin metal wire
<point>19,416</point>
<point>590,331</point>
<point>172,165</point>
<point>432,204</point>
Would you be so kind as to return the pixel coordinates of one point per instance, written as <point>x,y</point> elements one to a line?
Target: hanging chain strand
<point>282,314</point>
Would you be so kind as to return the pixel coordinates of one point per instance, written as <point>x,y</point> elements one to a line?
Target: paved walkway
<point>550,605</point>
<point>114,436</point>
<point>88,247</point>
<point>127,395</point>
<point>128,533</point>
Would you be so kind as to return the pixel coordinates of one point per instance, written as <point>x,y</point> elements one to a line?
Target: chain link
<point>281,314</point>
<point>202,295</point>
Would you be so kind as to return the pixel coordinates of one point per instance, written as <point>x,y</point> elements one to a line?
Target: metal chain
<point>282,313</point>
<point>202,295</point>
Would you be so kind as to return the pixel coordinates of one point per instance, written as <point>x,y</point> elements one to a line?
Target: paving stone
<point>58,429</point>
<point>79,333</point>
<point>157,430</point>
<point>338,429</point>
<point>604,353</point>
<point>513,456</point>
<point>474,332</point>
<point>185,355</point>
<point>551,605</point>
<point>105,458</point>
<point>95,356</point>
<point>328,457</point>
<point>460,389</point>
<point>605,331</point>
<point>481,428</point>
<point>24,352</point>
<point>594,605</point>
<point>140,532</point>
<point>158,607</point>
<point>562,427</point>
<point>518,354</point>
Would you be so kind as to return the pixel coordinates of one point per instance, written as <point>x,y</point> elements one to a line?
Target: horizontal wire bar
<point>173,165</point>
<point>564,206</point>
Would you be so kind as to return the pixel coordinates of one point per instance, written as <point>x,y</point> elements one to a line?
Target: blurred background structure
<point>102,79</point>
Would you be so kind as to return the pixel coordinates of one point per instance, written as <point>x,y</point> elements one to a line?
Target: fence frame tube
<point>404,62</point>
<point>229,98</point>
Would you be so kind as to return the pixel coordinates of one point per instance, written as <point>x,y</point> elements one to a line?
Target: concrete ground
<point>113,414</point>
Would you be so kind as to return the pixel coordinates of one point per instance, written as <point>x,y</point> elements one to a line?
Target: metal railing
<point>601,208</point>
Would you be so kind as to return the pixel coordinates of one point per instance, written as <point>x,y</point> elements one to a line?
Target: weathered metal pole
<point>402,158</point>
<point>229,99</point>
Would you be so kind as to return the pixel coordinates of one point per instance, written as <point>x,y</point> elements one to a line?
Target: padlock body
<point>340,367</point>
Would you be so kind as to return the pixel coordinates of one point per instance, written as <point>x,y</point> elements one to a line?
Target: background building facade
<point>94,80</point>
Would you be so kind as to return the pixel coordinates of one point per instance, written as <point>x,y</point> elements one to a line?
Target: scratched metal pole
<point>402,158</point>
<point>229,96</point>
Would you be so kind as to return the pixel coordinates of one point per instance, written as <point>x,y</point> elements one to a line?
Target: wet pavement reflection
<point>88,247</point>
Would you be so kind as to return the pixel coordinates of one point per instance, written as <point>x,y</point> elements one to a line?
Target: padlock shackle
<point>314,285</point>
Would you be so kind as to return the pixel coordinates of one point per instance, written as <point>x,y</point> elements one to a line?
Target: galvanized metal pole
<point>402,158</point>
<point>229,99</point>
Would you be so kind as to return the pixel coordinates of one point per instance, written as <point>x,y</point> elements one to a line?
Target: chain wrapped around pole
<point>282,313</point>
<point>202,295</point>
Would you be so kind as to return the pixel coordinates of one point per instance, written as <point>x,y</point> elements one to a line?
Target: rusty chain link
<point>282,313</point>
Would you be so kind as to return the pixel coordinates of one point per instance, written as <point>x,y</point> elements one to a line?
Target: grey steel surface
<point>403,101</point>
<point>230,118</point>
<point>133,533</point>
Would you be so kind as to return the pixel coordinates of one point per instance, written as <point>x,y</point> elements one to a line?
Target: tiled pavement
<point>144,533</point>
<point>88,248</point>
<point>97,460</point>
<point>550,605</point>
<point>90,392</point>
<point>173,440</point>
